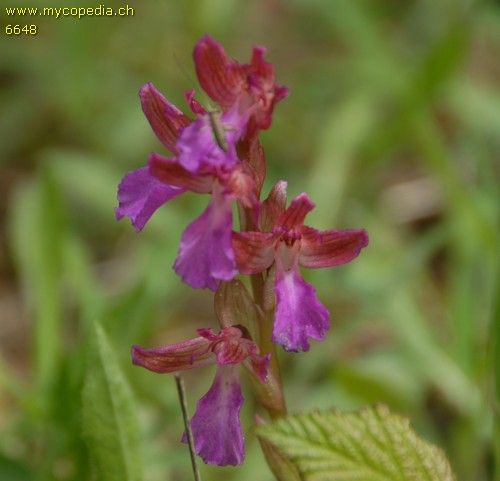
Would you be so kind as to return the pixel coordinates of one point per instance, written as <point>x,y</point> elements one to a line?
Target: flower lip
<point>216,425</point>
<point>206,254</point>
<point>140,194</point>
<point>299,314</point>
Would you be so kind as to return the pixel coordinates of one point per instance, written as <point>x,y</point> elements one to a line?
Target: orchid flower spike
<point>205,163</point>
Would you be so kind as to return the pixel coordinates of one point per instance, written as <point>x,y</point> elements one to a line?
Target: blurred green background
<point>392,125</point>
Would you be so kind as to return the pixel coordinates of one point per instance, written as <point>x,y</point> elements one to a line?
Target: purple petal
<point>166,120</point>
<point>175,357</point>
<point>206,254</point>
<point>299,314</point>
<point>293,217</point>
<point>216,426</point>
<point>331,247</point>
<point>222,84</point>
<point>273,206</point>
<point>231,346</point>
<point>169,171</point>
<point>195,145</point>
<point>235,123</point>
<point>227,82</point>
<point>254,251</point>
<point>194,105</point>
<point>259,365</point>
<point>200,144</point>
<point>140,194</point>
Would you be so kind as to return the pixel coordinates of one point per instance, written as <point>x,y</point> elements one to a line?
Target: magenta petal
<point>140,194</point>
<point>299,314</point>
<point>198,146</point>
<point>206,254</point>
<point>216,426</point>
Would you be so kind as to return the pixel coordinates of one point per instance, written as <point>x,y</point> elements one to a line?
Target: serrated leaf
<point>109,415</point>
<point>368,445</point>
<point>282,468</point>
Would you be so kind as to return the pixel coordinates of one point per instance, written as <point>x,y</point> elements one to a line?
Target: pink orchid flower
<point>299,314</point>
<point>216,426</point>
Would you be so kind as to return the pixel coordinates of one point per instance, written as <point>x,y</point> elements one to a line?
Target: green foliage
<point>110,415</point>
<point>371,444</point>
<point>39,217</point>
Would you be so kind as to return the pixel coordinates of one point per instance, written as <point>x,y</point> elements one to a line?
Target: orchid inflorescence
<point>219,153</point>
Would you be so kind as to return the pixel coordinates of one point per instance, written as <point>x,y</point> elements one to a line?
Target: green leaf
<point>369,445</point>
<point>282,468</point>
<point>109,415</point>
<point>37,230</point>
<point>13,470</point>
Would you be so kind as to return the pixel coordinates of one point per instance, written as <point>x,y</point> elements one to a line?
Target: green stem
<point>277,407</point>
